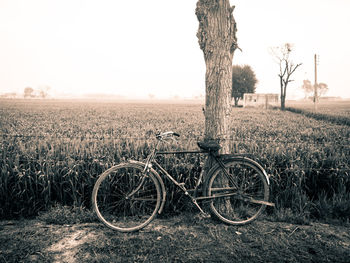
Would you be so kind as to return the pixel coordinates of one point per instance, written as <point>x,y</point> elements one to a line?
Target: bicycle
<point>128,196</point>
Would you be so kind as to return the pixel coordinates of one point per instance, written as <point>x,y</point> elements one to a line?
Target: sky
<point>136,48</point>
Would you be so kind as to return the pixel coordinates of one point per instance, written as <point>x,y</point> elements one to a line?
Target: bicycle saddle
<point>211,146</point>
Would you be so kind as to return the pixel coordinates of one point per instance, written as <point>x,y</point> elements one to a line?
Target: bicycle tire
<point>239,199</point>
<point>116,202</point>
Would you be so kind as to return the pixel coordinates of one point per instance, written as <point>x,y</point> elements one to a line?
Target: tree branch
<point>295,68</point>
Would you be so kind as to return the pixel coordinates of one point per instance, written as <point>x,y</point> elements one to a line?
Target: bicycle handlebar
<point>166,135</point>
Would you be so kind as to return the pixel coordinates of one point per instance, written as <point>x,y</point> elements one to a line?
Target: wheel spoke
<point>240,198</point>
<point>124,200</point>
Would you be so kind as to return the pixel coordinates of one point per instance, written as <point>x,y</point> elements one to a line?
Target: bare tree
<point>287,68</point>
<point>217,39</point>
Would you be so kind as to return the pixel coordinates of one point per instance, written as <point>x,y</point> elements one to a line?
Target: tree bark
<point>217,39</point>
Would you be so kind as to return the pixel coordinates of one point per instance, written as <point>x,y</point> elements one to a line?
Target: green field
<point>52,151</point>
<point>334,108</point>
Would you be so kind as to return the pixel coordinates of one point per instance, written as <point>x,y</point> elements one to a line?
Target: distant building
<point>260,100</point>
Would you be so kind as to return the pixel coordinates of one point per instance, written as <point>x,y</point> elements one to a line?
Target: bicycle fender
<point>160,181</point>
<point>226,157</point>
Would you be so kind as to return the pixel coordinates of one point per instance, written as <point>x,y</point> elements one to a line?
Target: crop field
<point>337,112</point>
<point>335,108</point>
<point>52,152</point>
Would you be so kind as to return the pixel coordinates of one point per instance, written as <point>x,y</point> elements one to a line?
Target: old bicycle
<point>128,196</point>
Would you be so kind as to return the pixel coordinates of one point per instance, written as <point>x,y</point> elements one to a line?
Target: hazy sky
<point>139,47</point>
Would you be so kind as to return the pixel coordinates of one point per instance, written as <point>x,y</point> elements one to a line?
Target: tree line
<point>42,92</point>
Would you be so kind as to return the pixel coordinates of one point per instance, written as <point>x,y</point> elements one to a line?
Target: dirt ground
<point>176,239</point>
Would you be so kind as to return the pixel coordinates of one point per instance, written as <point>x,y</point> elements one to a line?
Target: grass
<point>53,151</point>
<point>61,215</point>
<point>178,239</point>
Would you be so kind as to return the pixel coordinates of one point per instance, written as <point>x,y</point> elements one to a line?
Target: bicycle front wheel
<point>125,198</point>
<point>240,193</point>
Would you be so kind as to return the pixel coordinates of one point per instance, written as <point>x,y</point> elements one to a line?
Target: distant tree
<point>28,92</point>
<point>43,91</point>
<point>322,89</point>
<point>287,68</point>
<point>243,81</point>
<point>308,89</point>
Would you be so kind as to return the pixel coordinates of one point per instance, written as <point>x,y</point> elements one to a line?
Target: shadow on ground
<point>178,239</point>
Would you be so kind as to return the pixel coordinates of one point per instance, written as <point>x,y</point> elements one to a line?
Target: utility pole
<point>315,85</point>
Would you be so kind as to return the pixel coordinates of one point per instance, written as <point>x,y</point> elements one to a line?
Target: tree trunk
<point>283,102</point>
<point>236,101</point>
<point>217,39</point>
<point>283,94</point>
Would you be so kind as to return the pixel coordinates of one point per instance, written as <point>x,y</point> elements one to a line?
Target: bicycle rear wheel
<point>239,196</point>
<point>126,199</point>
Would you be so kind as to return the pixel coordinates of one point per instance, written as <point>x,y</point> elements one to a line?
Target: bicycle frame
<point>151,161</point>
<point>218,159</point>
